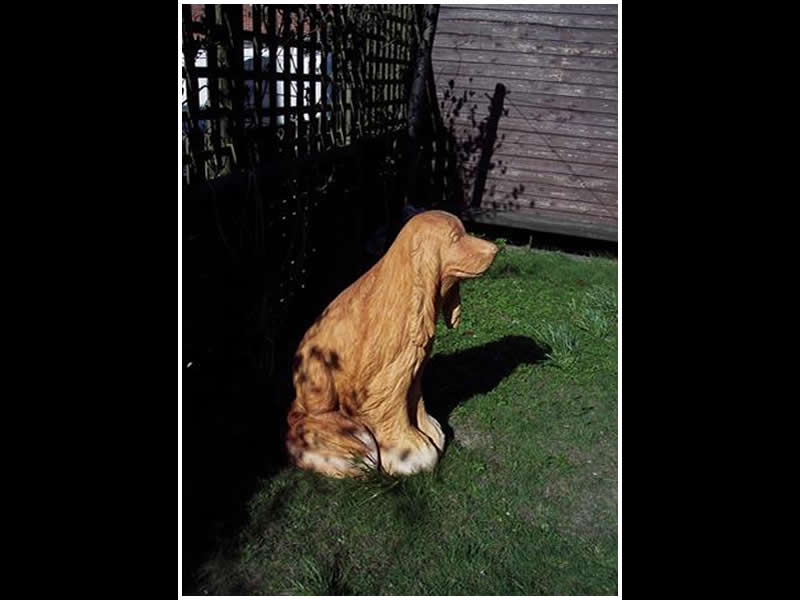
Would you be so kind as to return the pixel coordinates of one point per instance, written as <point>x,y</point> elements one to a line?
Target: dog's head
<point>442,255</point>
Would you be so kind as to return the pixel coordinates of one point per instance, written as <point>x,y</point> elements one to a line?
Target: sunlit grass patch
<point>522,502</point>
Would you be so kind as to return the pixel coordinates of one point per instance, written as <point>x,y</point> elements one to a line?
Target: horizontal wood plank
<point>530,17</point>
<point>532,46</point>
<point>508,124</point>
<point>526,88</point>
<point>514,30</point>
<point>446,67</point>
<point>569,181</point>
<point>544,101</point>
<point>546,187</point>
<point>480,110</point>
<point>566,9</point>
<point>547,222</point>
<point>554,164</point>
<point>599,178</point>
<point>500,186</point>
<point>564,208</point>
<point>546,154</point>
<point>513,58</point>
<point>559,142</point>
<point>607,213</point>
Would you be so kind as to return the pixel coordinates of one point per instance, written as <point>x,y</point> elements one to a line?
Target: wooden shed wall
<point>556,167</point>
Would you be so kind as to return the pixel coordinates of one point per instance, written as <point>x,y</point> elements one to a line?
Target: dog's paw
<point>407,459</point>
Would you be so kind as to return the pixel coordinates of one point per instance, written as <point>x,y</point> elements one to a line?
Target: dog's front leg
<point>429,426</point>
<point>424,422</point>
<point>409,453</point>
<point>404,448</point>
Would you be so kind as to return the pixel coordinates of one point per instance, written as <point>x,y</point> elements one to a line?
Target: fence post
<point>230,59</point>
<point>417,104</point>
<point>194,135</point>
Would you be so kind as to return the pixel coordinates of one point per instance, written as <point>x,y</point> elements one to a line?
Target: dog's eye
<point>454,237</point>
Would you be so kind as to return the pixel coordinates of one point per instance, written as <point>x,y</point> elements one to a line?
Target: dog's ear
<point>424,286</point>
<point>451,306</point>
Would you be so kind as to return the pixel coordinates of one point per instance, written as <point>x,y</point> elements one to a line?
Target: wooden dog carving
<point>358,369</point>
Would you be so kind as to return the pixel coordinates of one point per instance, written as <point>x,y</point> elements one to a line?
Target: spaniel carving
<point>358,369</point>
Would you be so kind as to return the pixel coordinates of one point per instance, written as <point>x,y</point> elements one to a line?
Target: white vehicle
<point>280,68</point>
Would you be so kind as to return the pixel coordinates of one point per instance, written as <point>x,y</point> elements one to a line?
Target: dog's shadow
<point>451,379</point>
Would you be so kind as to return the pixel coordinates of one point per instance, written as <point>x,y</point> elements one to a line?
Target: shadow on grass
<point>451,379</point>
<point>233,441</point>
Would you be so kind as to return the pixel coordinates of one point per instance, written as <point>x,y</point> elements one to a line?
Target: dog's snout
<point>487,248</point>
<point>486,251</point>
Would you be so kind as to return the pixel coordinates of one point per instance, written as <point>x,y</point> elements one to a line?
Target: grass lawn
<point>524,499</point>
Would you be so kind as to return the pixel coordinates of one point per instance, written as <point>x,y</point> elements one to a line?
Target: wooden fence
<point>328,75</point>
<point>554,167</point>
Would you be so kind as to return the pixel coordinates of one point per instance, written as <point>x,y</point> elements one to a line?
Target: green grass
<point>524,500</point>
